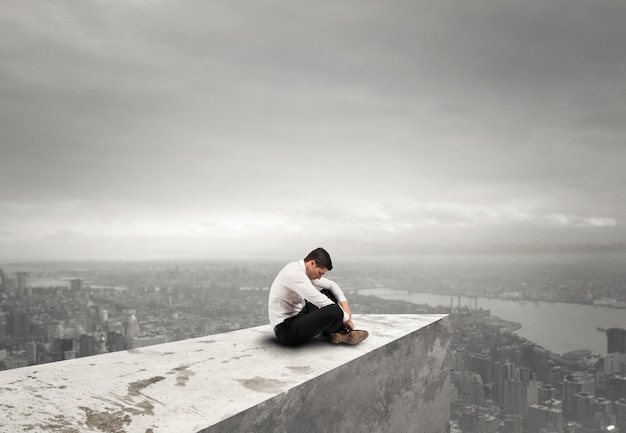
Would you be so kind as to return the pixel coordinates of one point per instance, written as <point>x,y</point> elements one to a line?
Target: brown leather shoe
<point>353,337</point>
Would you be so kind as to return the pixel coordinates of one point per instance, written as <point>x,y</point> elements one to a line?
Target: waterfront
<point>556,326</point>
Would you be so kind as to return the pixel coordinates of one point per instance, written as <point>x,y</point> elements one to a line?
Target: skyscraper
<point>545,392</point>
<point>583,407</point>
<point>21,282</point>
<point>572,385</point>
<point>616,340</point>
<point>18,324</point>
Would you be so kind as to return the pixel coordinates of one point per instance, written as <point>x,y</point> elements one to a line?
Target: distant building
<point>137,342</point>
<point>10,284</point>
<point>620,414</point>
<point>15,363</point>
<point>31,353</point>
<point>501,373</point>
<point>545,392</point>
<point>614,363</point>
<point>131,326</point>
<point>548,417</point>
<point>615,387</point>
<point>18,324</point>
<point>573,384</point>
<point>616,340</point>
<point>87,344</point>
<point>21,283</point>
<point>583,407</point>
<point>76,284</point>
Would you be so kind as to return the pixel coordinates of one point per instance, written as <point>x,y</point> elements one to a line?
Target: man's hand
<point>349,324</point>
<point>346,308</point>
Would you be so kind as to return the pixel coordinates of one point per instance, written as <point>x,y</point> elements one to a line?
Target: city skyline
<point>142,130</point>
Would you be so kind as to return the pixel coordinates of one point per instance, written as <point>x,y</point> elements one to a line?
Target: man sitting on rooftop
<point>303,303</point>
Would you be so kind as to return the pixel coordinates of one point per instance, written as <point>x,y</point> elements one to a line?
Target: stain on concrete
<point>207,341</point>
<point>234,358</point>
<point>108,422</point>
<point>116,416</point>
<point>299,368</point>
<point>183,374</point>
<point>261,384</point>
<point>58,424</point>
<point>135,388</point>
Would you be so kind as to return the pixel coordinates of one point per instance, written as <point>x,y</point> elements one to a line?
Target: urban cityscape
<point>501,382</point>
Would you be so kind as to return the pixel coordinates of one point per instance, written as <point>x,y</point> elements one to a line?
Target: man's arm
<point>325,283</point>
<point>346,309</point>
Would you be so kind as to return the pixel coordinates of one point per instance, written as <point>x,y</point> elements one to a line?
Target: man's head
<point>317,263</point>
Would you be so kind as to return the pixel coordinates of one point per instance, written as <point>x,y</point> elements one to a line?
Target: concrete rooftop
<point>184,386</point>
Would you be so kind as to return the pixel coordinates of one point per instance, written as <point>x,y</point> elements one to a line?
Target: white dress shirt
<point>292,287</point>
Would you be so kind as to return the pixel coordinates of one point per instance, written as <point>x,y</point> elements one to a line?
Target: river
<point>556,326</point>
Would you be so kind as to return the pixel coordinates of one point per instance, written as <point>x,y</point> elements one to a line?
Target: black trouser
<point>309,322</point>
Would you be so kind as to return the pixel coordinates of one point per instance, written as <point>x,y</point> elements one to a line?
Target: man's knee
<point>334,312</point>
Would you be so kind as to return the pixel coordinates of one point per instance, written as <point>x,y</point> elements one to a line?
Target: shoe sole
<point>352,337</point>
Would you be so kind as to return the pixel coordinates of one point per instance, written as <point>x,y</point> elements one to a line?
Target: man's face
<point>313,271</point>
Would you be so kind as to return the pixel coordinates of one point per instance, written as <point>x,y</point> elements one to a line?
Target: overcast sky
<point>192,128</point>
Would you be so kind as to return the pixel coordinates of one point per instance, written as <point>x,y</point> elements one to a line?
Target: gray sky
<point>149,128</point>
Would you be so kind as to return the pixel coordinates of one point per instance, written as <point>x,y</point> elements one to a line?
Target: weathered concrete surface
<point>395,381</point>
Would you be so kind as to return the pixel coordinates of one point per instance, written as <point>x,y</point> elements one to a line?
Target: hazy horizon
<point>152,129</point>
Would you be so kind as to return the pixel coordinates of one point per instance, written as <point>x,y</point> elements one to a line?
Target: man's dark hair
<point>321,257</point>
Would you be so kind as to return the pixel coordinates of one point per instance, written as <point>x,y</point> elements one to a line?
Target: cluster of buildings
<point>505,384</point>
<point>55,323</point>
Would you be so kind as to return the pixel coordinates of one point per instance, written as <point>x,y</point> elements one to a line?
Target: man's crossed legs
<point>312,321</point>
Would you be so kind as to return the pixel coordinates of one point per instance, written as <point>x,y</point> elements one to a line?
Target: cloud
<point>404,124</point>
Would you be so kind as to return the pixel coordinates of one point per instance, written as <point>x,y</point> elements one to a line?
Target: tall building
<point>615,387</point>
<point>76,284</point>
<point>31,352</point>
<point>572,385</point>
<point>614,363</point>
<point>21,283</point>
<point>616,340</point>
<point>131,325</point>
<point>2,289</point>
<point>519,395</point>
<point>9,284</point>
<point>18,324</point>
<point>545,392</point>
<point>547,416</point>
<point>501,373</point>
<point>87,345</point>
<point>583,407</point>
